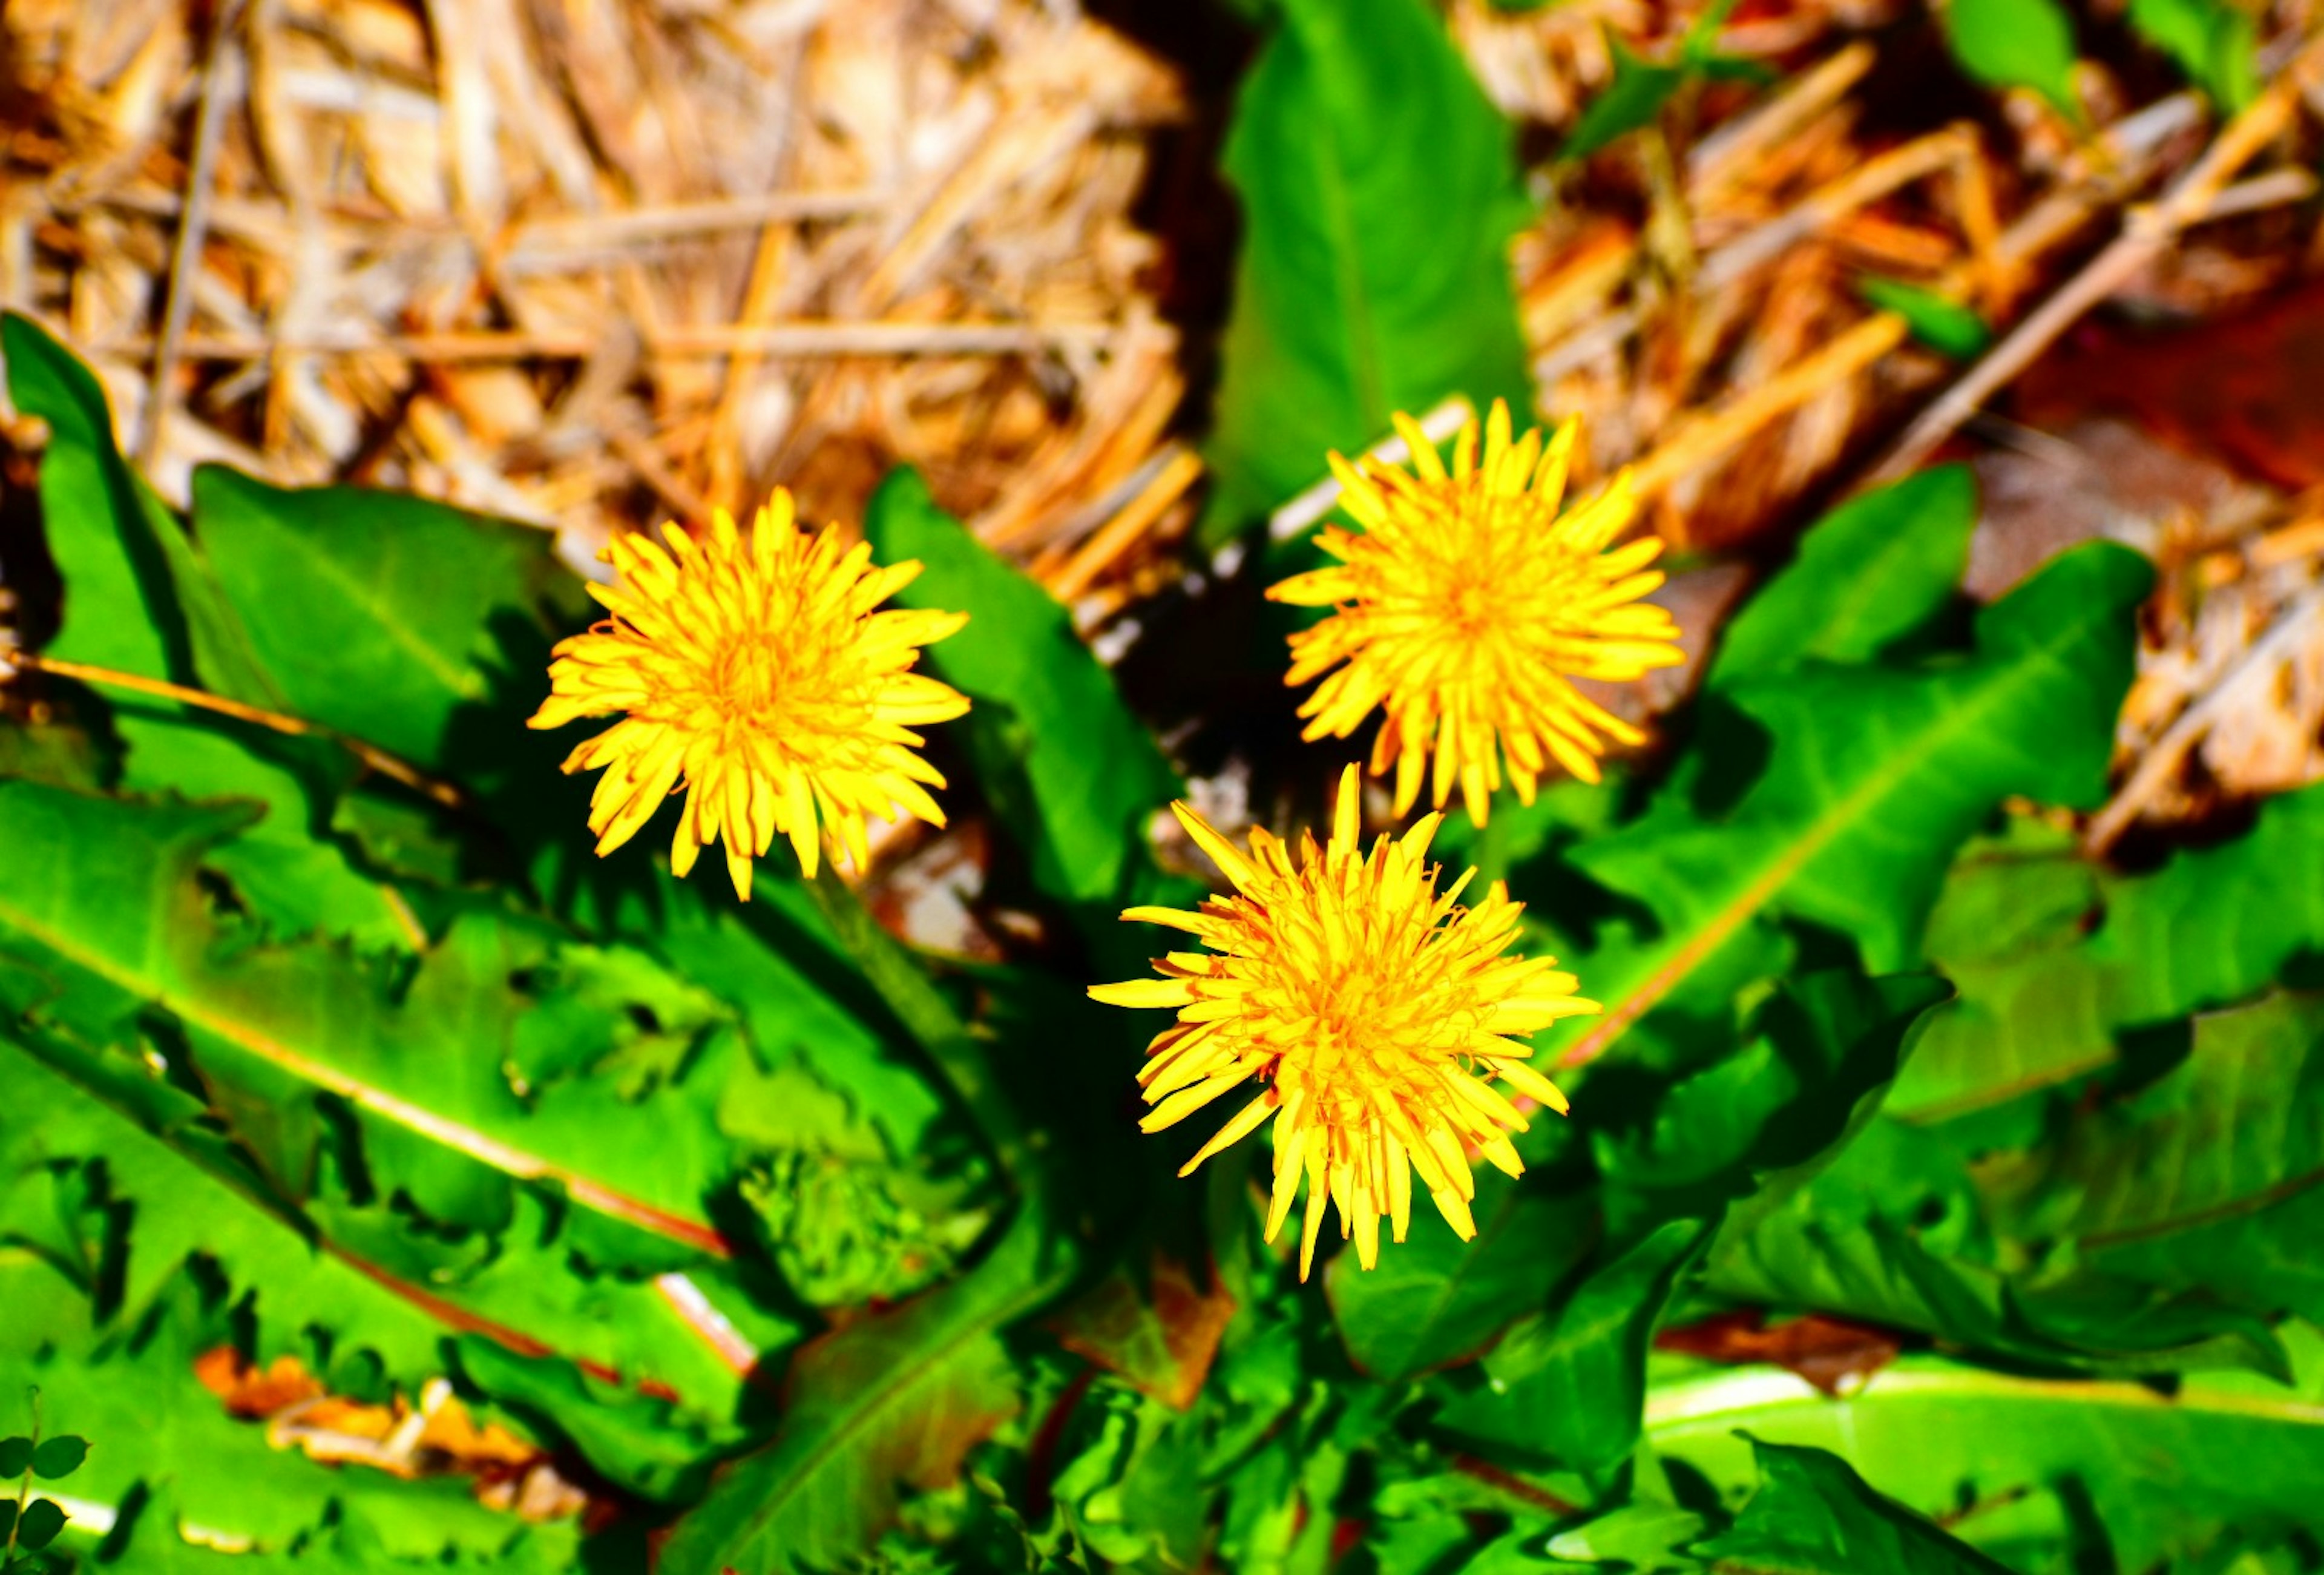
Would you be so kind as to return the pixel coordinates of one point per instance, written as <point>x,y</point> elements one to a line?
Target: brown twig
<point>2257,669</point>
<point>186,251</point>
<point>801,338</point>
<point>370,754</point>
<point>2145,231</point>
<point>1177,472</point>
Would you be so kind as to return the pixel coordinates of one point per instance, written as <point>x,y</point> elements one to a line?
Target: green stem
<point>24,1488</point>
<point>929,1018</point>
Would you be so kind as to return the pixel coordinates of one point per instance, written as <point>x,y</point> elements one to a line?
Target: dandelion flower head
<point>756,674</point>
<point>1465,608</point>
<point>1374,1013</point>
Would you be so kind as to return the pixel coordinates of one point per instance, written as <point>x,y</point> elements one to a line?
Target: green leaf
<point>158,1425</point>
<point>1379,191</point>
<point>1825,1044</point>
<point>372,612</point>
<point>1574,1390</point>
<point>1892,1231</point>
<point>15,1456</point>
<point>2016,43</point>
<point>1942,324</point>
<point>1872,779</point>
<point>636,1442</point>
<point>1814,1516</point>
<point>322,1065</point>
<point>1070,774</point>
<point>894,1398</point>
<point>2205,1179</point>
<point>2212,41</point>
<point>2056,958</point>
<point>2161,1474</point>
<point>1869,574</point>
<point>138,594</point>
<point>116,544</point>
<point>1436,1299</point>
<point>139,598</point>
<point>1643,1537</point>
<point>39,1524</point>
<point>1631,101</point>
<point>60,1457</point>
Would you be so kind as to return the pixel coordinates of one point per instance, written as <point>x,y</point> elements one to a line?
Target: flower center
<point>749,681</point>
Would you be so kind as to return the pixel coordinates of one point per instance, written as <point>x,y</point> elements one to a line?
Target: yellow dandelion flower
<point>1466,607</point>
<point>1374,1010</point>
<point>756,674</point>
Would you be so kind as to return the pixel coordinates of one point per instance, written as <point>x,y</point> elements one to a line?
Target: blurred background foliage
<point>388,1181</point>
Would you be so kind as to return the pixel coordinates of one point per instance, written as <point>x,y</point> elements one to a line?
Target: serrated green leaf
<point>372,612</point>
<point>1073,776</point>
<point>1379,190</point>
<point>2056,958</point>
<point>1814,1516</point>
<point>895,1397</point>
<point>139,598</point>
<point>304,1051</point>
<point>1869,574</point>
<point>109,911</point>
<point>2213,42</point>
<point>141,1400</point>
<point>2205,1179</point>
<point>2016,43</point>
<point>1872,779</point>
<point>2159,1474</point>
<point>1941,323</point>
<point>1894,1233</point>
<point>636,1442</point>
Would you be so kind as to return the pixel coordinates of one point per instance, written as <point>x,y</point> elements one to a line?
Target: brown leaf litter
<point>591,265</point>
<point>435,1436</point>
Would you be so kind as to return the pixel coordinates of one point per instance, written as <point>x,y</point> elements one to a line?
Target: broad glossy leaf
<point>1573,1391</point>
<point>117,546</point>
<point>1436,1299</point>
<point>1814,1515</point>
<point>1073,776</point>
<point>2056,958</point>
<point>1824,1043</point>
<point>372,613</point>
<point>1869,574</point>
<point>1872,778</point>
<point>1379,191</point>
<point>2161,1474</point>
<point>895,1397</point>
